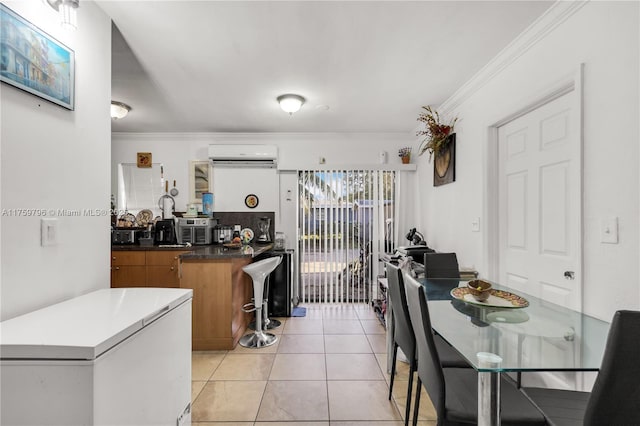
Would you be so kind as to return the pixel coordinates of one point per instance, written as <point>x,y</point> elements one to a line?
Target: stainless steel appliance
<point>122,236</point>
<point>197,231</point>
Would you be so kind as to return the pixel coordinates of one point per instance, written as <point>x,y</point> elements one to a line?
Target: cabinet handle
<point>117,268</point>
<point>175,257</point>
<point>172,268</point>
<point>114,258</point>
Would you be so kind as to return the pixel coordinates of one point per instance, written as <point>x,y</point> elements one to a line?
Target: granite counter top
<point>214,251</point>
<point>217,251</point>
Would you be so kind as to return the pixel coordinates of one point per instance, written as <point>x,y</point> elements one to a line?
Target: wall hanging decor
<point>251,201</point>
<point>440,141</point>
<point>144,159</point>
<point>444,163</point>
<point>34,61</point>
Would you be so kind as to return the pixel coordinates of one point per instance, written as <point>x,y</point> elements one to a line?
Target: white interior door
<point>539,174</point>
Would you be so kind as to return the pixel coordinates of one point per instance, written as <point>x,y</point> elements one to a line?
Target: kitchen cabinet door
<point>128,276</point>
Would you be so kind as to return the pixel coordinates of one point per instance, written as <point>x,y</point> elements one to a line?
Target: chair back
<point>429,367</point>
<point>441,265</point>
<point>616,393</point>
<point>402,328</point>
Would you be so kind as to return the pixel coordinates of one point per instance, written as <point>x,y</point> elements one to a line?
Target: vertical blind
<point>346,219</point>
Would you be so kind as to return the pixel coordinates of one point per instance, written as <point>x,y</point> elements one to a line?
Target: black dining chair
<point>404,337</point>
<point>441,265</point>
<point>615,396</point>
<point>454,391</point>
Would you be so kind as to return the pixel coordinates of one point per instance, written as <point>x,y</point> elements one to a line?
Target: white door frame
<point>566,85</point>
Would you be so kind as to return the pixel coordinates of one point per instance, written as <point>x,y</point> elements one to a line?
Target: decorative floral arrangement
<point>435,132</point>
<point>404,152</point>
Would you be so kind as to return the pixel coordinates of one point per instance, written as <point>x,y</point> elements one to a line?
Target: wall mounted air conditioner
<point>237,155</point>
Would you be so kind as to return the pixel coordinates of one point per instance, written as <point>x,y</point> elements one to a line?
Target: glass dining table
<point>531,335</point>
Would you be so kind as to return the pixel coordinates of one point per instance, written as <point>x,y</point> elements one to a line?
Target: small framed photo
<point>144,159</point>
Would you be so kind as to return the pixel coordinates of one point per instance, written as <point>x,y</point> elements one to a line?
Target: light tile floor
<point>327,369</point>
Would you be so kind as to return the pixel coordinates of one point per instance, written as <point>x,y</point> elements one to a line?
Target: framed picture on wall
<point>34,61</point>
<point>200,180</point>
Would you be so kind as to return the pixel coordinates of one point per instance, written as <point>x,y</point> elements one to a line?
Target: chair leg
<point>393,368</point>
<point>416,405</point>
<point>412,368</point>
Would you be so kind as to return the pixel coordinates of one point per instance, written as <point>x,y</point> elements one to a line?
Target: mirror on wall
<point>140,187</point>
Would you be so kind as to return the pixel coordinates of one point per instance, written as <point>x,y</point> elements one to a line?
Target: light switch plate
<point>475,225</point>
<point>49,232</point>
<point>609,230</point>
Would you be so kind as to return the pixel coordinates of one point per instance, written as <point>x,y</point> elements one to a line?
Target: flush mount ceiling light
<point>119,110</point>
<point>67,10</point>
<point>290,103</point>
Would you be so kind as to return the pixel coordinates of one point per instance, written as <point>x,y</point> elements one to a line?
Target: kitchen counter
<point>214,251</point>
<point>217,251</point>
<point>214,273</point>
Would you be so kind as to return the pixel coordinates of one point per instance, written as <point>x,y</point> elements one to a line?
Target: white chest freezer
<point>110,357</point>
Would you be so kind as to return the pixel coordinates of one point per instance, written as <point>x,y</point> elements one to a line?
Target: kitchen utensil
<point>174,191</point>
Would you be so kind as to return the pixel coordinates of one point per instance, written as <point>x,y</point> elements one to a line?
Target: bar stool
<point>267,323</point>
<point>258,271</point>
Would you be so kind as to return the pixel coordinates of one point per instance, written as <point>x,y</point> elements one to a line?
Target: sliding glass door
<point>347,218</point>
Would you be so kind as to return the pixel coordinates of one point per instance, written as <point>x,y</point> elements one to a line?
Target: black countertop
<point>217,251</point>
<point>214,251</point>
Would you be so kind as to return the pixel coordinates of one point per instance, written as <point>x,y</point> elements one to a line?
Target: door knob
<point>569,275</point>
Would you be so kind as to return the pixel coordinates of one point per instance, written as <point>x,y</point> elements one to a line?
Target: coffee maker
<point>165,232</point>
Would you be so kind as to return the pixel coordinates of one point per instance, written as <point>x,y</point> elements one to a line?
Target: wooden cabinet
<point>128,269</point>
<point>145,268</point>
<point>220,288</point>
<point>163,268</point>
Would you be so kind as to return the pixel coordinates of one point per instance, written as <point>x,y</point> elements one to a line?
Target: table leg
<point>489,389</point>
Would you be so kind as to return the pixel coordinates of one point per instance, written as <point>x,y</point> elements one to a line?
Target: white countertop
<point>84,327</point>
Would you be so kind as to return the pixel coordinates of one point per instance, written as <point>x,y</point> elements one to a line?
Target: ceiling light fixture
<point>290,103</point>
<point>119,110</point>
<point>68,12</point>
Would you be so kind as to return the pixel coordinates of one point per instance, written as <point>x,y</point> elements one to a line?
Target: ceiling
<point>216,66</point>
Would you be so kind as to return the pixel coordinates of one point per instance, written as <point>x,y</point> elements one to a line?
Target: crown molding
<point>257,136</point>
<point>559,12</point>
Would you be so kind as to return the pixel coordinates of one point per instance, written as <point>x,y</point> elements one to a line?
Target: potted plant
<point>405,154</point>
<point>436,133</point>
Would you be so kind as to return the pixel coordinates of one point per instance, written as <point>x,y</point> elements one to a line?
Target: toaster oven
<point>122,236</point>
<point>197,231</point>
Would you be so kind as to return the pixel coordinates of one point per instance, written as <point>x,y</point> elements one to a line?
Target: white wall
<point>230,186</point>
<point>53,158</point>
<point>604,36</point>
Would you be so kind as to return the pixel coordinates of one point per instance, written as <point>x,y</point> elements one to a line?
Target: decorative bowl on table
<point>479,289</point>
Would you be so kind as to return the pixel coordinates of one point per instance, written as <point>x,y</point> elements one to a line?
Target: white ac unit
<point>237,155</point>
